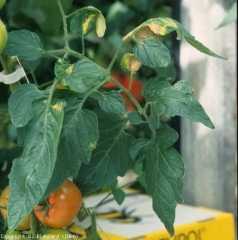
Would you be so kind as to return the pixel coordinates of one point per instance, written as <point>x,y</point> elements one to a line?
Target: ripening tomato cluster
<point>136,90</point>
<point>60,209</point>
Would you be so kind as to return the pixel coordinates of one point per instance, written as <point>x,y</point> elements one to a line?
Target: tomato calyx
<point>65,201</point>
<point>45,207</point>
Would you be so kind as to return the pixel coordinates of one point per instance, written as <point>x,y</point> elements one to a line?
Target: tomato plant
<point>25,223</point>
<point>72,127</point>
<point>63,205</point>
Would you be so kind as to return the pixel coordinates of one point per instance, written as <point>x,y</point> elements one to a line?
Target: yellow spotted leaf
<point>57,107</point>
<point>88,24</point>
<point>87,20</point>
<point>143,33</point>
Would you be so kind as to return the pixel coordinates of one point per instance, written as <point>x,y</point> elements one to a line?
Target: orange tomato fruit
<point>65,203</point>
<point>24,224</point>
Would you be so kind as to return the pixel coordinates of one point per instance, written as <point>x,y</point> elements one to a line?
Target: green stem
<point>52,89</point>
<point>114,57</point>
<point>83,47</point>
<point>33,224</point>
<point>146,107</point>
<point>133,99</point>
<point>94,225</point>
<point>83,214</point>
<point>75,12</point>
<point>9,64</point>
<point>90,92</point>
<point>110,193</point>
<point>131,81</point>
<point>61,52</point>
<point>53,53</point>
<point>43,85</point>
<point>77,55</point>
<point>82,102</point>
<point>66,35</point>
<point>81,10</point>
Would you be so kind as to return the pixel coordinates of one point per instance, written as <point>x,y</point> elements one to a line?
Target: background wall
<point>210,155</point>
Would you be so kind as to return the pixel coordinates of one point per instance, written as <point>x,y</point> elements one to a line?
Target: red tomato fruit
<point>65,203</point>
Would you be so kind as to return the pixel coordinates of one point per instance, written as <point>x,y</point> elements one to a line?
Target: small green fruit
<point>2,2</point>
<point>3,36</point>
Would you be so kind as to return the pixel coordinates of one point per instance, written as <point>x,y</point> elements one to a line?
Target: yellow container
<point>136,220</point>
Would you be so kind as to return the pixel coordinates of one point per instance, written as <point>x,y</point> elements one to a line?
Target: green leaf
<point>20,104</point>
<point>111,157</point>
<point>110,102</point>
<point>153,121</point>
<point>84,75</point>
<point>118,195</point>
<point>70,96</point>
<point>31,173</point>
<point>164,170</point>
<point>177,100</point>
<point>165,136</point>
<point>154,86</point>
<point>230,17</point>
<point>152,53</point>
<point>163,26</point>
<point>135,118</point>
<point>183,86</point>
<point>138,169</point>
<point>24,44</point>
<point>200,47</point>
<point>136,149</point>
<point>30,66</point>
<point>61,67</point>
<point>52,12</point>
<point>78,139</point>
<point>88,19</point>
<point>79,134</point>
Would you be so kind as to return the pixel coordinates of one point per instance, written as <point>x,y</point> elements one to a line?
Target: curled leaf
<point>144,32</point>
<point>100,25</point>
<point>130,63</point>
<point>155,28</point>
<point>87,20</point>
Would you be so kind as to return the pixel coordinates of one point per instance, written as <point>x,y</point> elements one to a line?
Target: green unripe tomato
<point>14,235</point>
<point>2,2</point>
<point>3,36</point>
